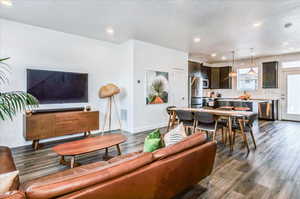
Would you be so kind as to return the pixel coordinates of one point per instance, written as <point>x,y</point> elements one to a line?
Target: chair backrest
<point>168,109</point>
<point>251,119</point>
<point>184,115</point>
<point>204,117</point>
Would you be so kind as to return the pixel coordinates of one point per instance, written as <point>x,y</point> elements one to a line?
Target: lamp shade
<point>108,91</point>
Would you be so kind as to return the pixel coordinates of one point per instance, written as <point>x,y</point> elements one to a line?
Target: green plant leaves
<point>16,101</point>
<point>3,59</point>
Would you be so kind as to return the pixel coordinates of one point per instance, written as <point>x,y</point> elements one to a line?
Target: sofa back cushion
<point>162,179</point>
<point>187,143</point>
<point>78,178</point>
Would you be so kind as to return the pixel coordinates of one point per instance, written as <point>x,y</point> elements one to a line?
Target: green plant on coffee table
<point>12,102</point>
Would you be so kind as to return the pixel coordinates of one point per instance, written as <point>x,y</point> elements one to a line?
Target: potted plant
<point>13,102</point>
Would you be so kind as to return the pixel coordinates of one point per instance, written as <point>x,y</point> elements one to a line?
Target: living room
<point>107,141</point>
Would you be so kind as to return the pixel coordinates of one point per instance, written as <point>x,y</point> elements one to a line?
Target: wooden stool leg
<point>119,149</point>
<point>169,123</point>
<point>253,139</point>
<point>241,122</point>
<point>230,133</point>
<point>214,135</point>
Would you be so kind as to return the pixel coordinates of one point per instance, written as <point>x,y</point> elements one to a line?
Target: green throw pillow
<point>153,141</point>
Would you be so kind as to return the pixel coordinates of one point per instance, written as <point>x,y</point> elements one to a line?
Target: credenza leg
<point>119,149</point>
<point>35,144</point>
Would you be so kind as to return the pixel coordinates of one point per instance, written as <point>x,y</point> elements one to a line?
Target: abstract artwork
<point>157,90</point>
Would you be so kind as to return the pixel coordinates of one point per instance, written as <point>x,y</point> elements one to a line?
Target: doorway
<point>291,96</point>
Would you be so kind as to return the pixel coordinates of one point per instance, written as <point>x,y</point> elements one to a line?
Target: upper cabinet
<point>270,74</point>
<point>215,78</point>
<point>225,80</point>
<point>218,77</point>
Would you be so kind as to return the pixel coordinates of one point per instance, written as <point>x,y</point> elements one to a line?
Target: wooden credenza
<point>48,125</point>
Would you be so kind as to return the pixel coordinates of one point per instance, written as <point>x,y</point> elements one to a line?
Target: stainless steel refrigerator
<point>195,91</point>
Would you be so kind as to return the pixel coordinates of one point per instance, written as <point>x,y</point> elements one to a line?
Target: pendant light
<point>232,73</point>
<point>252,71</point>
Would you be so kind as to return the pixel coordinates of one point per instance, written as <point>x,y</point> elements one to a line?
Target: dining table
<point>230,114</point>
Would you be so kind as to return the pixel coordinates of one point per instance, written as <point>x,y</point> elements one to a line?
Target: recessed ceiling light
<point>224,58</point>
<point>288,25</point>
<point>257,24</point>
<point>213,54</point>
<point>110,31</point>
<point>285,43</point>
<point>6,2</point>
<point>197,39</point>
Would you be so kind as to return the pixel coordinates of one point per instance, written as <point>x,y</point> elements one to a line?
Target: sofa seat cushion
<point>81,177</point>
<point>186,143</point>
<point>122,157</point>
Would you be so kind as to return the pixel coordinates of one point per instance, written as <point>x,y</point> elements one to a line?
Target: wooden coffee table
<point>88,145</point>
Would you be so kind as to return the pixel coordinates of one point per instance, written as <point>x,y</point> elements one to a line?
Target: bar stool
<point>242,109</point>
<point>227,108</point>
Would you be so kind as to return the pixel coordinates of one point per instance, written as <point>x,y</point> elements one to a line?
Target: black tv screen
<point>52,87</point>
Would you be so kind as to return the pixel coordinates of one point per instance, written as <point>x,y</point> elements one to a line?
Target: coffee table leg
<point>106,152</point>
<point>72,163</point>
<point>119,149</point>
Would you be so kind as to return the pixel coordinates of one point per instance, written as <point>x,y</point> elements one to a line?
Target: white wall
<point>124,64</point>
<point>152,57</point>
<point>34,47</point>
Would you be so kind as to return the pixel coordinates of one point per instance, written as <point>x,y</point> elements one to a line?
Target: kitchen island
<point>265,108</point>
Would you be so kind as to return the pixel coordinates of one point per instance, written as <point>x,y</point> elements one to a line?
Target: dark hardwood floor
<point>270,171</point>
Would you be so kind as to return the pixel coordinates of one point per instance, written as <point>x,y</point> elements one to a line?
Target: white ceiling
<point>222,25</point>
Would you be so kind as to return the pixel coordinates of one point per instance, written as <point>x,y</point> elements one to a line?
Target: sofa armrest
<point>8,165</point>
<point>13,195</point>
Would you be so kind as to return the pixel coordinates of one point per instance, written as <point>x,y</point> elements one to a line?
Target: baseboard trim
<point>149,127</point>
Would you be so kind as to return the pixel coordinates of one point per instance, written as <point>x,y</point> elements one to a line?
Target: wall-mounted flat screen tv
<point>53,87</point>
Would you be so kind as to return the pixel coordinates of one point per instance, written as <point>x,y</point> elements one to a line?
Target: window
<point>291,64</point>
<point>245,81</point>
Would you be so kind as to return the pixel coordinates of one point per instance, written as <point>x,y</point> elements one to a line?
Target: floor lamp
<point>109,92</point>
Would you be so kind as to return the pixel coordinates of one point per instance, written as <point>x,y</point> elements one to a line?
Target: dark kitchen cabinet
<point>270,74</point>
<point>225,80</point>
<point>205,72</point>
<point>215,78</point>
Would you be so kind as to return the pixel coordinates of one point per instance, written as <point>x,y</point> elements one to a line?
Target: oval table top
<point>90,144</point>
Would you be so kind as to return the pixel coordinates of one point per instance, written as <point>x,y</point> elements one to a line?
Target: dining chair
<point>209,123</point>
<point>172,117</point>
<point>186,118</point>
<point>245,126</point>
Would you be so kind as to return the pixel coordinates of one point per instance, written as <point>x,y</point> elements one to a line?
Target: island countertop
<point>241,100</point>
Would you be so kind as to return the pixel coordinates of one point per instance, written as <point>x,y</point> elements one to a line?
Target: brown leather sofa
<point>158,175</point>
